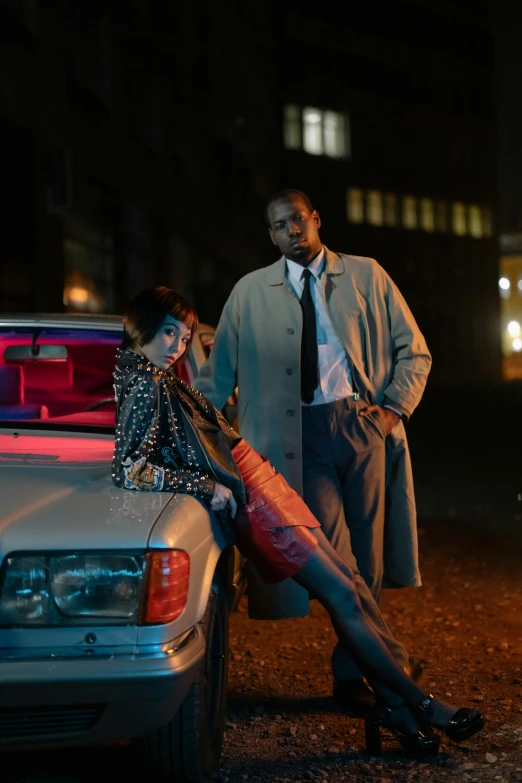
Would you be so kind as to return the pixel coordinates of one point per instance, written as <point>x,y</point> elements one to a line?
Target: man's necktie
<point>309,352</point>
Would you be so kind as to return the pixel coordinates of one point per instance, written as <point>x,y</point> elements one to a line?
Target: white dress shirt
<point>335,382</point>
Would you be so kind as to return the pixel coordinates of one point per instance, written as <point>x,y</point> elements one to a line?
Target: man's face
<point>294,229</point>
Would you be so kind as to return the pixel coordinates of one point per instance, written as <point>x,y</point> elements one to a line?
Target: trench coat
<point>257,348</point>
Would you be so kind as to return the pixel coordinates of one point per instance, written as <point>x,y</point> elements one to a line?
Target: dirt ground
<point>282,724</point>
<point>465,623</point>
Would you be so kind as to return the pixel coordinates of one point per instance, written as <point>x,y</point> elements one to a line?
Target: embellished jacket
<point>168,436</point>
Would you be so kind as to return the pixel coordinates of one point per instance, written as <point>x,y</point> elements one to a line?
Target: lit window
<point>355,205</point>
<point>313,131</point>
<point>335,130</point>
<point>487,223</point>
<point>293,126</point>
<point>427,215</point>
<point>475,221</point>
<point>441,216</point>
<point>390,209</point>
<point>459,219</point>
<point>409,212</point>
<point>374,213</point>
<point>317,131</point>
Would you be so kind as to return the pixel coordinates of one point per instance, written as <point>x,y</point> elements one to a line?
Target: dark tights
<point>333,583</point>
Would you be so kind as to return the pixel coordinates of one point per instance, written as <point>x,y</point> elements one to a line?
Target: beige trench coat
<point>257,348</point>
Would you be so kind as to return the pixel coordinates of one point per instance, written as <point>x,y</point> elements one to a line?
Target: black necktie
<point>309,352</point>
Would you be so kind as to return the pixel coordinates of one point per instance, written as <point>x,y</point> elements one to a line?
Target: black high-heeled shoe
<point>465,723</point>
<point>416,745</point>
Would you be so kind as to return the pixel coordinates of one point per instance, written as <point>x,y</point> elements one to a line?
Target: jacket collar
<point>277,271</point>
<point>128,362</point>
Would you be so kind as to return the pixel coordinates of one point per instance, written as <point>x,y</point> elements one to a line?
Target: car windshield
<point>58,378</point>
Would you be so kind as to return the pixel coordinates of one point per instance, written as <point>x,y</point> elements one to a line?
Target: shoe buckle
<point>423,706</point>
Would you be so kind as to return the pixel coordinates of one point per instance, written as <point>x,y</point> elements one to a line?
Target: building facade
<point>508,18</point>
<point>133,151</point>
<point>140,142</point>
<point>408,87</point>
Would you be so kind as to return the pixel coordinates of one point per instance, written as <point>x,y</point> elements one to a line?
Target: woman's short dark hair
<point>146,313</point>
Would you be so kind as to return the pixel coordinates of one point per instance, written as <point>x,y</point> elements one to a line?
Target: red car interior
<point>12,396</point>
<point>61,390</point>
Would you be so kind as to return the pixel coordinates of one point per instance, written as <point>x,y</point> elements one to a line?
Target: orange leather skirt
<point>273,528</point>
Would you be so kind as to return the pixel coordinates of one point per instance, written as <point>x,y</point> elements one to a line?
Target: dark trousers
<point>344,486</point>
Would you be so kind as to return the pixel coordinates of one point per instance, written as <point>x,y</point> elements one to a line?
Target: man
<point>329,363</point>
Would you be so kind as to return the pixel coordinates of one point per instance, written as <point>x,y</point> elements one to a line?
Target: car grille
<point>26,723</point>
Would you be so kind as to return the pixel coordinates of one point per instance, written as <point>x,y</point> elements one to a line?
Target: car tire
<point>188,748</point>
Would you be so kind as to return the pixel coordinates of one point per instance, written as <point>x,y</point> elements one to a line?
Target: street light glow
<point>513,328</point>
<point>517,344</point>
<point>76,295</point>
<point>504,284</point>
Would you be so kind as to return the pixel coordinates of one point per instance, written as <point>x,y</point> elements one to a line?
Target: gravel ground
<point>465,623</point>
<point>282,725</point>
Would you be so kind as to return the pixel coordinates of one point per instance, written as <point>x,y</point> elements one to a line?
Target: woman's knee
<point>342,599</point>
<point>336,589</point>
<point>349,574</point>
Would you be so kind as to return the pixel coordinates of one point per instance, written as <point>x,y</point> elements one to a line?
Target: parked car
<point>114,604</point>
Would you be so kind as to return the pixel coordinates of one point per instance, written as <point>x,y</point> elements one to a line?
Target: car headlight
<point>24,591</point>
<point>97,585</point>
<point>94,587</point>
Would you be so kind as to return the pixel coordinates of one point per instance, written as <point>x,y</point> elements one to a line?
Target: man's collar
<point>295,270</point>
<point>277,271</point>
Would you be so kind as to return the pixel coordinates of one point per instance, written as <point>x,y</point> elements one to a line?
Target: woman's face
<point>169,343</point>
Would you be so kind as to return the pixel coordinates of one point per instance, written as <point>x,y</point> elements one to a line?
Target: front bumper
<point>67,701</point>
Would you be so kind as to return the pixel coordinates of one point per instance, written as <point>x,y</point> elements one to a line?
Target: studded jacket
<point>168,436</point>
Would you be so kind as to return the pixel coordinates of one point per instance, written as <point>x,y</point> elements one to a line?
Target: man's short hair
<point>283,195</point>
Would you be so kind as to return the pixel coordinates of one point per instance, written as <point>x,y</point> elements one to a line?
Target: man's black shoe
<point>354,696</point>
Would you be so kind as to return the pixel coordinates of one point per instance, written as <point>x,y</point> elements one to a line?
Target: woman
<point>170,438</point>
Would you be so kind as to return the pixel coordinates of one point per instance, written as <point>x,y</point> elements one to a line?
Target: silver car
<point>113,604</point>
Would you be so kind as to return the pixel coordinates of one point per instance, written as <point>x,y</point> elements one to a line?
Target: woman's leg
<point>335,587</point>
<point>375,619</point>
<point>338,594</point>
<point>333,584</point>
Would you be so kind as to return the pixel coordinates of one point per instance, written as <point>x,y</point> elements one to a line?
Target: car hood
<point>69,502</point>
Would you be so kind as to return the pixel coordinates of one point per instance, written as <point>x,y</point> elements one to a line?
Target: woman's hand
<point>222,498</point>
